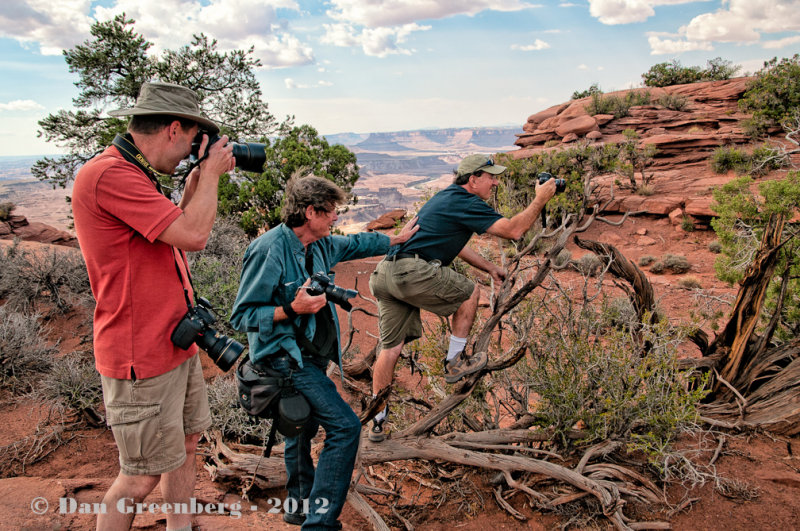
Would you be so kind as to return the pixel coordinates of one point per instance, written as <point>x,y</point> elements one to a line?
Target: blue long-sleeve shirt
<point>273,270</point>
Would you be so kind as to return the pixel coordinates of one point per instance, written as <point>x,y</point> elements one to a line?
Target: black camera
<point>195,327</point>
<point>561,184</point>
<point>321,283</point>
<point>249,157</point>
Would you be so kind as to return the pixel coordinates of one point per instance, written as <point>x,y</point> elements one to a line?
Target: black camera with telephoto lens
<point>195,327</point>
<point>249,157</point>
<point>321,283</point>
<point>561,184</point>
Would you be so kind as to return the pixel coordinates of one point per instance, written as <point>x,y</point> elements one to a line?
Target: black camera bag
<point>266,393</point>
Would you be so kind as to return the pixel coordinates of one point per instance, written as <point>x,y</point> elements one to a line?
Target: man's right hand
<point>220,157</point>
<point>305,303</point>
<point>545,191</point>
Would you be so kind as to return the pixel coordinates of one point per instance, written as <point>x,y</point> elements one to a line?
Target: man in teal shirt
<point>273,305</point>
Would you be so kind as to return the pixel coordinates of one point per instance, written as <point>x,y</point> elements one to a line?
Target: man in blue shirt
<point>415,275</point>
<point>273,306</point>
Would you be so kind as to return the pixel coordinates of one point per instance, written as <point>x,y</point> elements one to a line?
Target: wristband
<point>289,311</point>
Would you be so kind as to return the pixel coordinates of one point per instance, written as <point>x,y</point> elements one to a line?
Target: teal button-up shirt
<point>273,270</point>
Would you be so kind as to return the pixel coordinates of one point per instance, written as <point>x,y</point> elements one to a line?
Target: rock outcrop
<point>19,227</point>
<point>387,221</point>
<point>684,139</point>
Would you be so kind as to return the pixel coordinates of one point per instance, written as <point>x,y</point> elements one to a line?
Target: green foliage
<point>763,159</point>
<point>256,199</point>
<point>589,264</point>
<point>57,275</point>
<point>605,386</point>
<point>741,217</point>
<point>591,91</point>
<point>687,224</point>
<point>6,208</point>
<point>72,383</point>
<point>216,269</point>
<point>674,102</point>
<point>635,159</point>
<point>25,354</point>
<point>619,106</point>
<point>231,420</point>
<point>646,260</point>
<point>773,97</point>
<point>677,263</point>
<point>673,73</point>
<point>715,247</point>
<point>726,158</point>
<point>113,65</point>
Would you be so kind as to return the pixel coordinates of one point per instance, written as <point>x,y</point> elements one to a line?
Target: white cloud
<point>236,24</point>
<point>377,42</point>
<point>291,84</point>
<point>375,14</point>
<point>538,44</point>
<point>583,67</point>
<point>741,21</point>
<point>659,46</point>
<point>627,11</point>
<point>54,26</point>
<point>20,105</point>
<point>780,43</point>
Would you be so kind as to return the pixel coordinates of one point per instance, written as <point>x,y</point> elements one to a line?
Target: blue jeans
<point>325,490</point>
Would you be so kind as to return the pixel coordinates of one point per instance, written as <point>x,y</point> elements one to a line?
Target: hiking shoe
<point>463,365</point>
<point>376,433</point>
<point>294,518</point>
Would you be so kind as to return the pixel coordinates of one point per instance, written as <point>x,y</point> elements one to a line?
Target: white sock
<point>382,415</point>
<point>457,344</point>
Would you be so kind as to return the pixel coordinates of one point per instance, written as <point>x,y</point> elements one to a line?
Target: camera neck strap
<point>131,153</point>
<point>180,276</point>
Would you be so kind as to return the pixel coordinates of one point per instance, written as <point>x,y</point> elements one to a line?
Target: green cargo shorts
<point>403,287</point>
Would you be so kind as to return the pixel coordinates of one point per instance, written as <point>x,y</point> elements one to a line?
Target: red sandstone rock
<point>387,221</point>
<point>579,126</point>
<point>569,137</point>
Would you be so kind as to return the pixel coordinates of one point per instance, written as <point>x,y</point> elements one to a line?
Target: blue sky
<point>388,65</point>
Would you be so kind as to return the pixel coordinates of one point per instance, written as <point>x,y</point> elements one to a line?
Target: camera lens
<point>222,350</point>
<point>249,156</point>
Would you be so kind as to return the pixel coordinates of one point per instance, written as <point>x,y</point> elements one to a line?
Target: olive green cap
<point>477,163</point>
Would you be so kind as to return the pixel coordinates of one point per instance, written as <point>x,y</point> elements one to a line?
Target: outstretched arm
<point>516,227</point>
<point>479,262</point>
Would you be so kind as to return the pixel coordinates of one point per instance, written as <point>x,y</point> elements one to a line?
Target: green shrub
<point>657,267</point>
<point>690,282</point>
<point>608,386</point>
<point>675,262</point>
<point>6,208</point>
<point>766,158</point>
<point>562,258</point>
<point>24,351</point>
<point>646,260</point>
<point>57,275</point>
<point>227,416</point>
<point>674,102</point>
<point>589,264</point>
<point>726,158</point>
<point>673,73</point>
<point>715,246</point>
<point>73,383</point>
<point>591,91</point>
<point>687,224</point>
<point>616,105</point>
<point>773,96</point>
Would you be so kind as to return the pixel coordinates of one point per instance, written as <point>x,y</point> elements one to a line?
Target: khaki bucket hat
<point>169,99</point>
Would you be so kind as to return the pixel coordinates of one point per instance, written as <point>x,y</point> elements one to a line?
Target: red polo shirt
<point>118,216</point>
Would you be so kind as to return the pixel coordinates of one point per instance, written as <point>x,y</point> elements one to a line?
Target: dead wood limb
<point>717,452</point>
<point>505,447</point>
<point>681,506</point>
<point>603,448</point>
<point>506,436</point>
<point>358,503</point>
<point>541,499</point>
<point>371,490</point>
<point>507,506</point>
<point>406,523</point>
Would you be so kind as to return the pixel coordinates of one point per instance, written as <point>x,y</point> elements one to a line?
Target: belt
<point>400,256</point>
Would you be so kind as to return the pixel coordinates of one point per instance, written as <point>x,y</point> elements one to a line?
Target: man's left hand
<point>406,232</point>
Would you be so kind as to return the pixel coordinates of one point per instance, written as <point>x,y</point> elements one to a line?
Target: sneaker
<point>463,365</point>
<point>294,518</point>
<point>376,433</point>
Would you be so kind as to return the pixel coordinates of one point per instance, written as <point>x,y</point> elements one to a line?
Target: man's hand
<point>406,232</point>
<point>498,274</point>
<point>220,156</point>
<point>545,191</point>
<point>305,303</point>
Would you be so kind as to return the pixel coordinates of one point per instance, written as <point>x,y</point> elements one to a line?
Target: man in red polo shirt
<point>132,238</point>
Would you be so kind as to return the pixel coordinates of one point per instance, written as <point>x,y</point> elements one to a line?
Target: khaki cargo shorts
<point>403,287</point>
<point>151,417</point>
